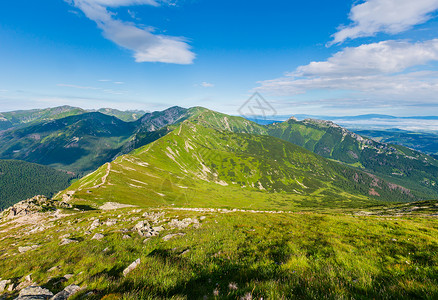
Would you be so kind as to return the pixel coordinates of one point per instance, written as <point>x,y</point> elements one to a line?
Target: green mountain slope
<point>200,166</point>
<point>21,118</point>
<point>82,143</point>
<point>127,115</point>
<point>77,143</point>
<point>412,169</point>
<point>20,180</point>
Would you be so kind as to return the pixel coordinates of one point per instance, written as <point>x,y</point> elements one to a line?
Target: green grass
<point>300,255</point>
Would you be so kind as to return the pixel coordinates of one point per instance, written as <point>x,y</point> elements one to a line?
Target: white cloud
<point>77,86</point>
<point>119,82</point>
<point>147,47</point>
<point>379,69</point>
<point>207,85</point>
<point>389,16</point>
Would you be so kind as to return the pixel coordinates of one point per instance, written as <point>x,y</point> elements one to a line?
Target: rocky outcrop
<point>34,293</point>
<point>33,205</point>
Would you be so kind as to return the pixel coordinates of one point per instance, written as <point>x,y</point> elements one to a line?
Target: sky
<point>320,57</point>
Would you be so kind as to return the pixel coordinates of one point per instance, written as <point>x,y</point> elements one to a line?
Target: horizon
<point>313,58</point>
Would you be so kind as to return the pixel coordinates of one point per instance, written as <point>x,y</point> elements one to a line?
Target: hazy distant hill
<point>22,118</point>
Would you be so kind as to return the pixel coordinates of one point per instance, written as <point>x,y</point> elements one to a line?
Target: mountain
<point>77,143</point>
<point>21,118</point>
<point>213,207</point>
<point>81,143</point>
<point>420,141</point>
<point>404,166</point>
<point>20,180</point>
<point>127,115</point>
<point>196,165</point>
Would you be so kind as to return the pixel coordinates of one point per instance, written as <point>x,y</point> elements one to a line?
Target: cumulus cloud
<point>147,46</point>
<point>374,69</point>
<point>389,16</point>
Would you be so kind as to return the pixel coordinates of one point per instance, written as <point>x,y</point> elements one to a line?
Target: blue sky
<point>305,57</point>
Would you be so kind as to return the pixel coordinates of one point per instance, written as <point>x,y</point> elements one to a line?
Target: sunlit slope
<point>199,166</point>
<point>412,169</point>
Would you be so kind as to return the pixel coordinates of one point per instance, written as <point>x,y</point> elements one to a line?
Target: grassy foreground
<point>231,255</point>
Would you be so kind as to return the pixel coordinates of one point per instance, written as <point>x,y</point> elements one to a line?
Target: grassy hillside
<point>226,255</point>
<point>198,166</point>
<point>412,169</point>
<point>20,180</point>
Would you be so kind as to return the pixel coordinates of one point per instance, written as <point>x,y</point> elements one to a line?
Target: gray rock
<point>67,292</point>
<point>67,241</point>
<point>98,236</point>
<point>95,224</point>
<point>131,267</point>
<point>27,248</point>
<point>170,236</point>
<point>34,293</point>
<point>3,284</point>
<point>68,276</point>
<point>125,237</point>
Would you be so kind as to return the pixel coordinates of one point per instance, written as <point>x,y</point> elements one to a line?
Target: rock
<point>67,292</point>
<point>175,223</point>
<point>125,237</point>
<point>3,284</point>
<point>34,292</point>
<point>95,224</point>
<point>202,218</point>
<point>110,222</point>
<point>68,276</point>
<point>158,228</point>
<point>67,241</point>
<point>144,229</point>
<point>64,236</point>
<point>55,268</point>
<point>170,236</point>
<point>98,236</point>
<point>33,205</point>
<point>131,267</point>
<point>24,284</point>
<point>185,252</point>
<point>27,248</point>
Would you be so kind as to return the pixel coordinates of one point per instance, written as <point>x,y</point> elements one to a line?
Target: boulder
<point>131,267</point>
<point>171,236</point>
<point>34,293</point>
<point>67,292</point>
<point>98,236</point>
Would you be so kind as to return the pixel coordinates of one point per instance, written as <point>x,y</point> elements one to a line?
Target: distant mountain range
<point>227,151</point>
<point>365,122</point>
<point>20,118</point>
